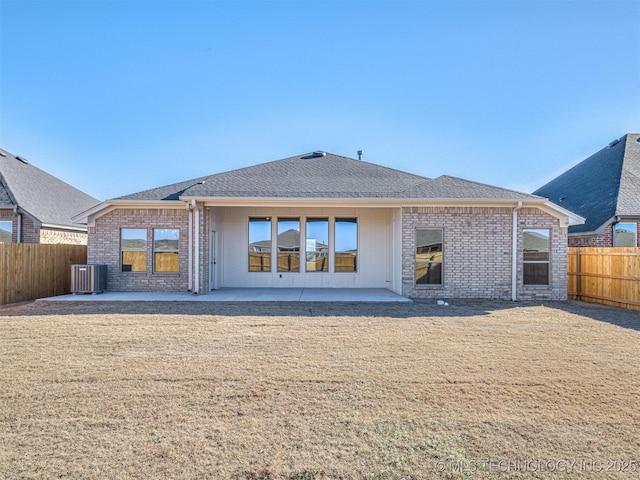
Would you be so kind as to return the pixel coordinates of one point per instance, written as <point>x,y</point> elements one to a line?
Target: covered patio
<point>379,295</point>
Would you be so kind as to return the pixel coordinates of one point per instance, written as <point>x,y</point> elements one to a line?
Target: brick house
<point>36,207</point>
<point>327,221</point>
<point>605,190</point>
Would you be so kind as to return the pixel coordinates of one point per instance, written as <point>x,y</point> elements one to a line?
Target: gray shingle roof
<point>324,177</point>
<point>458,188</point>
<point>43,196</point>
<point>602,186</point>
<point>5,195</point>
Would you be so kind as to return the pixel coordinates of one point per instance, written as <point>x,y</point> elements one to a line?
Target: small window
<point>536,256</point>
<point>6,231</point>
<point>260,244</point>
<point>317,245</point>
<point>429,253</point>
<point>133,244</point>
<point>288,244</point>
<point>166,250</point>
<point>346,244</point>
<point>625,235</point>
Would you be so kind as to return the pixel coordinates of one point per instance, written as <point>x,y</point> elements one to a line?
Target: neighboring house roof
<point>45,198</point>
<point>325,176</point>
<point>320,177</point>
<point>604,186</point>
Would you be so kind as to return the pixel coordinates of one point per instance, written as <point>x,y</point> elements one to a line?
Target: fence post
<point>578,289</point>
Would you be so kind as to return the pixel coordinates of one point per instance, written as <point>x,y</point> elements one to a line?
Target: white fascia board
<point>83,217</point>
<point>349,202</point>
<point>568,217</point>
<point>64,227</point>
<point>299,202</point>
<point>466,202</point>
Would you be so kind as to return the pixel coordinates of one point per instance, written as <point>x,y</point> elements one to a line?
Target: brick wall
<point>104,247</point>
<point>204,249</point>
<point>30,233</point>
<point>477,252</point>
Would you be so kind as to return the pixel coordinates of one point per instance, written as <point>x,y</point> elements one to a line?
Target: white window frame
<point>534,262</point>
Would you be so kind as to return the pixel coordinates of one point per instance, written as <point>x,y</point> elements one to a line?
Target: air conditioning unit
<point>88,278</point>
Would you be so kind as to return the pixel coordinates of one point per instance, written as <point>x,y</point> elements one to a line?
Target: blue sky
<point>116,97</point>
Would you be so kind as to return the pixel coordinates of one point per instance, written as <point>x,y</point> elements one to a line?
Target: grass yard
<point>299,391</point>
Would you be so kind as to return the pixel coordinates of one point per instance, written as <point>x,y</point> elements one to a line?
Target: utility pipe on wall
<point>19,239</point>
<point>19,226</point>
<point>514,253</point>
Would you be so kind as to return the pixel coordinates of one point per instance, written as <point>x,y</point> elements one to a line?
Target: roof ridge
<point>32,166</point>
<point>43,196</point>
<point>380,166</point>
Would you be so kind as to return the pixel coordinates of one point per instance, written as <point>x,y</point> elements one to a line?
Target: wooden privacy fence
<point>610,276</point>
<point>30,270</point>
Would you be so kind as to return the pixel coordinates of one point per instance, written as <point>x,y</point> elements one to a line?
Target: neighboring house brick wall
<point>477,252</point>
<point>30,233</point>
<point>68,237</point>
<point>604,240</point>
<point>104,247</point>
<point>33,234</point>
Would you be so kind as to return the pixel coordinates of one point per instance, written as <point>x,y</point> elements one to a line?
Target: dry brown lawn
<point>310,391</point>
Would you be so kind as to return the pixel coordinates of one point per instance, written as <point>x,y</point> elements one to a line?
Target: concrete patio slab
<point>245,295</point>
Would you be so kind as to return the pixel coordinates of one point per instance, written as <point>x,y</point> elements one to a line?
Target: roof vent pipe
<point>360,152</point>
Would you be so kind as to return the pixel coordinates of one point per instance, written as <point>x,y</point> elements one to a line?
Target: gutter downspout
<point>514,255</point>
<point>190,262</point>
<point>19,232</point>
<point>196,248</point>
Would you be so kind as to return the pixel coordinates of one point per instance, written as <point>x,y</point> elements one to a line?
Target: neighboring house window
<point>165,250</point>
<point>6,231</point>
<point>288,244</point>
<point>317,245</point>
<point>133,245</point>
<point>260,244</point>
<point>625,235</point>
<point>429,253</point>
<point>536,256</point>
<point>346,244</point>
